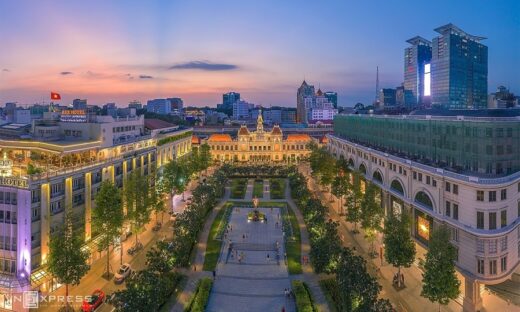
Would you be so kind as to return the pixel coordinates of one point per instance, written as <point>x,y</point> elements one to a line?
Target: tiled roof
<point>195,139</point>
<point>324,139</point>
<point>154,124</point>
<point>243,131</point>
<point>298,137</point>
<point>220,138</point>
<point>276,130</point>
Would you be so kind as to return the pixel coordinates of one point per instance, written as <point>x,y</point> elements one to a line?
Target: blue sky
<point>117,51</point>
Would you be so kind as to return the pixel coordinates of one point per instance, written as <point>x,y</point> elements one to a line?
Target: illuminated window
<point>427,80</point>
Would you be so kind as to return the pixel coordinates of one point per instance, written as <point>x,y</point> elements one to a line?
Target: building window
<point>480,266</point>
<point>492,243</point>
<point>480,245</point>
<point>455,211</point>
<point>434,183</point>
<point>454,234</point>
<point>503,218</point>
<point>419,176</point>
<point>480,220</point>
<point>492,196</point>
<point>492,267</point>
<point>448,187</point>
<point>480,195</point>
<point>503,243</point>
<point>455,189</point>
<point>428,180</point>
<point>503,264</point>
<point>492,220</point>
<point>503,194</point>
<point>448,209</point>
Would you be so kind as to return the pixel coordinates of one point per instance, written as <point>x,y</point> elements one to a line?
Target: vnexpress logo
<point>31,299</point>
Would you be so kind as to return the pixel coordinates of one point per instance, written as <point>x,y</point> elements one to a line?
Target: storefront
<point>423,227</point>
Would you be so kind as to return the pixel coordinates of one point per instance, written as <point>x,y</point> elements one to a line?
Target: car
<point>123,272</point>
<point>94,301</point>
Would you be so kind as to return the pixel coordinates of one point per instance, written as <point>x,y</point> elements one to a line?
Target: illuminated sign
<point>14,182</point>
<point>73,115</point>
<point>427,80</point>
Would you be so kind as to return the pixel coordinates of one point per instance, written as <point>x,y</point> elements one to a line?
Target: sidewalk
<point>409,299</point>
<point>194,276</point>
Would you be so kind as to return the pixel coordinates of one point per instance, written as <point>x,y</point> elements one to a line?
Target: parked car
<point>94,301</point>
<point>135,248</point>
<point>123,272</point>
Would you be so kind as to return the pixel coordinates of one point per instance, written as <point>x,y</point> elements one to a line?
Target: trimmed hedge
<point>200,298</point>
<point>277,188</point>
<point>303,300</point>
<point>174,138</point>
<point>331,291</point>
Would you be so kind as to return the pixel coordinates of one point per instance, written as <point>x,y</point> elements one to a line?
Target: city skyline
<point>106,53</point>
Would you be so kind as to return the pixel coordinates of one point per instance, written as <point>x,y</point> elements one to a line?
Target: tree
<point>67,261</point>
<point>327,246</point>
<point>339,188</point>
<point>159,259</point>
<point>108,217</point>
<point>358,290</point>
<point>440,283</point>
<point>138,195</point>
<point>145,291</point>
<point>399,246</point>
<point>205,156</point>
<point>371,215</point>
<point>352,200</point>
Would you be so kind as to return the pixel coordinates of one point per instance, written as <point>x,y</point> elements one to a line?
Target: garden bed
<point>303,297</point>
<point>216,233</point>
<point>277,188</point>
<point>200,298</point>
<point>238,188</point>
<point>258,189</point>
<point>293,244</point>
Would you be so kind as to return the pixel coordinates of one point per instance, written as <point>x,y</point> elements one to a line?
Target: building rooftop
<point>154,124</point>
<point>243,130</point>
<point>220,137</point>
<point>195,139</point>
<point>419,40</point>
<point>454,29</point>
<point>276,130</point>
<point>298,137</point>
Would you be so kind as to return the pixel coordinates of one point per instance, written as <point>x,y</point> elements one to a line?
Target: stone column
<point>141,159</point>
<point>472,298</point>
<point>88,206</point>
<point>45,220</point>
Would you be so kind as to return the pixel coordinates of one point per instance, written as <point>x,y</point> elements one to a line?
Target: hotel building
<point>458,171</point>
<point>61,165</point>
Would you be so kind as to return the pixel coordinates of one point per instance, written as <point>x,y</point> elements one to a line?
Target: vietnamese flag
<point>55,96</point>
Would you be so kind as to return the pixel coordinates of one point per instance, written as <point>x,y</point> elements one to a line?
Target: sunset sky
<point>117,51</point>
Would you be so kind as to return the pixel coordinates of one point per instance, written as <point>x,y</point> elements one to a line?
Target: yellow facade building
<point>259,146</point>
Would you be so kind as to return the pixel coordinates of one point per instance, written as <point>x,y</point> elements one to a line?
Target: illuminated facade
<point>460,172</point>
<point>259,145</point>
<point>41,178</point>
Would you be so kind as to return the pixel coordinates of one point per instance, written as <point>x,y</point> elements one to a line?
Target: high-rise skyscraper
<point>79,104</point>
<point>228,99</point>
<point>416,57</point>
<point>332,97</point>
<point>304,90</point>
<point>459,69</point>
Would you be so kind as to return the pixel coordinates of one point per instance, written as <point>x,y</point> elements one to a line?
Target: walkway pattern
<point>251,275</point>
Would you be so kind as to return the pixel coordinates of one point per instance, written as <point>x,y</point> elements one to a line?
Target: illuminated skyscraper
<point>459,69</point>
<point>416,58</point>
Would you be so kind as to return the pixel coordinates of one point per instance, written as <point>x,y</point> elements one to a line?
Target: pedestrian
<point>243,236</point>
<point>267,256</point>
<point>214,273</point>
<point>402,279</point>
<point>285,292</point>
<point>194,267</point>
<point>283,309</point>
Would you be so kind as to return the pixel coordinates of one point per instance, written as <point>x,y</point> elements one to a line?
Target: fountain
<point>255,215</point>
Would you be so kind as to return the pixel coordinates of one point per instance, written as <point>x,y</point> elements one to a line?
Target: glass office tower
<point>416,57</point>
<point>459,69</point>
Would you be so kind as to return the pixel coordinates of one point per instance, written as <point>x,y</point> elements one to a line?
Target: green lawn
<point>294,246</point>
<point>258,189</point>
<point>238,188</point>
<point>277,188</point>
<point>214,243</point>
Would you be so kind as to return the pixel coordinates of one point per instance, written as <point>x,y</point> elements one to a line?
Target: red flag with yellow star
<point>55,96</point>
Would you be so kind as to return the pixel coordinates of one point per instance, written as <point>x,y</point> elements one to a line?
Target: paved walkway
<point>409,299</point>
<point>267,190</point>
<point>250,275</point>
<point>249,189</point>
<point>194,276</point>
